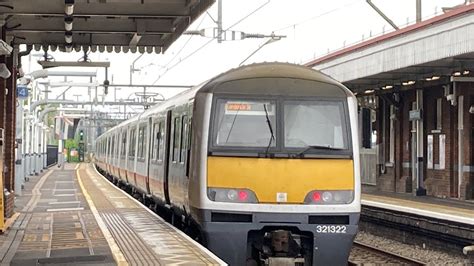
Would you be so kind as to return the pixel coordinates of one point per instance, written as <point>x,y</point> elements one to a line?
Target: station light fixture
<point>408,83</point>
<point>387,87</point>
<point>68,37</point>
<point>432,78</point>
<point>68,22</point>
<point>68,47</point>
<point>69,7</point>
<point>368,91</point>
<point>457,73</point>
<point>466,72</point>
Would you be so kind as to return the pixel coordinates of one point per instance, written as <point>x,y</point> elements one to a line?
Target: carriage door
<point>149,147</point>
<point>414,159</point>
<point>166,161</point>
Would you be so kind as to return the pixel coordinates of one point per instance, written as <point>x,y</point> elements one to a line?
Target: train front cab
<point>280,174</point>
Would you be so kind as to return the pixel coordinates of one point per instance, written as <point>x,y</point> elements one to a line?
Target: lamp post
<point>273,38</point>
<point>132,68</point>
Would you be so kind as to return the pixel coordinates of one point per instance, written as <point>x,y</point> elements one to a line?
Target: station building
<point>415,88</point>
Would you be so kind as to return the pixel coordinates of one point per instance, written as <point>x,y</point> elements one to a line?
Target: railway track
<point>364,254</point>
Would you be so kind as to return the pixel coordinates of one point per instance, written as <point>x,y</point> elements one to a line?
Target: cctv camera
<point>4,72</point>
<point>5,49</point>
<point>471,110</point>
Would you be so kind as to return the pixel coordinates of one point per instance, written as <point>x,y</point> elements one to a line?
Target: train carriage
<point>261,164</point>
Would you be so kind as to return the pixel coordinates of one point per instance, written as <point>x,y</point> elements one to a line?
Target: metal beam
<point>135,40</point>
<point>70,102</point>
<point>20,31</point>
<point>72,73</point>
<point>48,64</point>
<point>148,86</point>
<point>69,84</point>
<point>109,15</point>
<point>462,79</point>
<point>389,21</point>
<point>418,11</point>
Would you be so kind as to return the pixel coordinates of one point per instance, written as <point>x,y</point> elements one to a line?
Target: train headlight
<point>327,196</point>
<point>322,197</point>
<point>232,195</point>
<point>240,195</point>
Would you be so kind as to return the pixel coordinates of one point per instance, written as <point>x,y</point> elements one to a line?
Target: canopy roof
<point>112,25</point>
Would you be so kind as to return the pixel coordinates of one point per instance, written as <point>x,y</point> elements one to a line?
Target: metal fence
<point>52,155</point>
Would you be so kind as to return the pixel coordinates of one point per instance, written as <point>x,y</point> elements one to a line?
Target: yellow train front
<point>275,166</point>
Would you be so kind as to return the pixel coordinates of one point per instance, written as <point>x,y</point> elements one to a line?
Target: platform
<point>449,222</point>
<point>442,209</point>
<point>75,216</point>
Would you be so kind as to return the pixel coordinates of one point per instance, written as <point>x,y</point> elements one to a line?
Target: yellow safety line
<point>116,252</point>
<point>9,222</point>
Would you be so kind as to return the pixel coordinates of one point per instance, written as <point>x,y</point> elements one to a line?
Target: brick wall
<point>438,182</point>
<point>467,184</point>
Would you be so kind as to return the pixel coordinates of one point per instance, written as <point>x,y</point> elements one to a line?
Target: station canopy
<point>423,55</point>
<point>99,25</point>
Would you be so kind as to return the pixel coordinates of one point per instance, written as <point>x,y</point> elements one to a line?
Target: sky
<point>312,28</point>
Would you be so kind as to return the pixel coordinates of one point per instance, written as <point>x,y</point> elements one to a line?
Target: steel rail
<point>384,255</point>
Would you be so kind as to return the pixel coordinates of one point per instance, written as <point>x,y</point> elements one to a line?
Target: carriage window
<point>176,135</point>
<point>112,145</point>
<point>131,147</point>
<point>108,146</point>
<point>155,139</point>
<point>124,143</point>
<point>189,132</point>
<point>161,142</point>
<point>242,123</point>
<point>315,123</point>
<point>184,137</point>
<point>141,142</point>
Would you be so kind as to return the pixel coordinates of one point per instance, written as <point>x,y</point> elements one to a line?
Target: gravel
<point>430,257</point>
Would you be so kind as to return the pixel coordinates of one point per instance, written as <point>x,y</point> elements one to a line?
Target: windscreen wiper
<point>317,147</point>
<point>270,128</point>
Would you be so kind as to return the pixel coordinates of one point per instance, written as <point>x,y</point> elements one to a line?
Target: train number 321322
<point>331,229</point>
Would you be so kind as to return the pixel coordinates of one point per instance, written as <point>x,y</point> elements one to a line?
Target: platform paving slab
<point>55,225</point>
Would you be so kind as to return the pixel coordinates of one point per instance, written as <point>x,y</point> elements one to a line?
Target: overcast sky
<point>312,28</point>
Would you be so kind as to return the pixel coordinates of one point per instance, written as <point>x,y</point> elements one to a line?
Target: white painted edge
<point>417,211</point>
<point>65,209</point>
<point>208,252</point>
<point>64,202</point>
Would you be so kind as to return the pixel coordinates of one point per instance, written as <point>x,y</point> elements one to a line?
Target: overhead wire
<point>317,16</point>
<point>211,40</point>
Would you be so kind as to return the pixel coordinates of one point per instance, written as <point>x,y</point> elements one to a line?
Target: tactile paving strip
<point>56,229</point>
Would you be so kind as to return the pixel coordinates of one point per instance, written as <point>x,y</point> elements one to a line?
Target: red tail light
<point>316,196</point>
<point>243,195</point>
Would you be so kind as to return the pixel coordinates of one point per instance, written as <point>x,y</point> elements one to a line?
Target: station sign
<point>414,115</point>
<point>22,92</point>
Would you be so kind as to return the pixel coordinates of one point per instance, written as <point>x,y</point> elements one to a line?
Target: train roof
<point>270,70</point>
<point>253,71</point>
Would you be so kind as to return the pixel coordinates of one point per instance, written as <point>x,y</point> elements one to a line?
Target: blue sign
<point>22,91</point>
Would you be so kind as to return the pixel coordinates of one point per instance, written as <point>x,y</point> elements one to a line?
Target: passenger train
<point>260,164</point>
